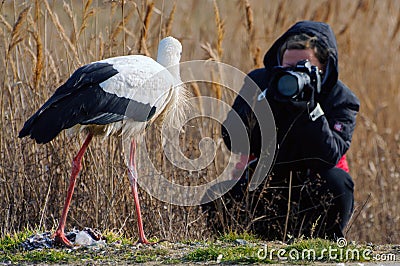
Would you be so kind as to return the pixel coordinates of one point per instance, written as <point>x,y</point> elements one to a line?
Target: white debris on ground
<point>88,237</point>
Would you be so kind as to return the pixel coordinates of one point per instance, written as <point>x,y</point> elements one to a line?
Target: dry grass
<point>41,43</point>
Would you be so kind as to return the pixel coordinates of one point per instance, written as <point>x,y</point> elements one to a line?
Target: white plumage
<point>146,81</point>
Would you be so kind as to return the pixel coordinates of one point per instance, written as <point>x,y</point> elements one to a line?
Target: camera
<point>291,82</point>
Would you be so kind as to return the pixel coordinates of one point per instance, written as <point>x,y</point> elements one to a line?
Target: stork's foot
<point>144,241</point>
<point>60,238</point>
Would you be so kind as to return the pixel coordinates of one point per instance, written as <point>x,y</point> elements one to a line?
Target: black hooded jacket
<point>301,142</point>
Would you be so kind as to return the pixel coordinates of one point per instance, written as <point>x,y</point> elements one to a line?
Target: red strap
<point>343,164</point>
<point>244,159</point>
<point>241,165</point>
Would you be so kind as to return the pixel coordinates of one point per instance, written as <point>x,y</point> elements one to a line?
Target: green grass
<point>257,251</point>
<point>225,249</point>
<point>12,241</point>
<point>227,254</point>
<point>36,256</point>
<point>228,250</point>
<point>113,237</point>
<point>233,236</point>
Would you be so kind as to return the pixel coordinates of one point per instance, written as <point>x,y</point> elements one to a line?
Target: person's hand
<point>313,108</point>
<point>299,104</point>
<point>303,103</point>
<point>309,97</point>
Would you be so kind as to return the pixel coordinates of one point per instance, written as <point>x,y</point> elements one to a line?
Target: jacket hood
<point>326,38</point>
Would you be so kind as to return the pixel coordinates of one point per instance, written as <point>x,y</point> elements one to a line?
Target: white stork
<point>95,99</point>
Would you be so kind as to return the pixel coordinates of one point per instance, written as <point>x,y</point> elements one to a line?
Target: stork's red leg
<point>59,235</point>
<point>133,180</point>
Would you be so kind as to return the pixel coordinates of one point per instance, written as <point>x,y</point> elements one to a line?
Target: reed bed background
<point>43,41</point>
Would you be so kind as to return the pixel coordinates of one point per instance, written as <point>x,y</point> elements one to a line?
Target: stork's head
<point>169,52</point>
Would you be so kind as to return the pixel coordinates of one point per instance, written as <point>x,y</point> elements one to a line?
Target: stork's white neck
<point>169,61</point>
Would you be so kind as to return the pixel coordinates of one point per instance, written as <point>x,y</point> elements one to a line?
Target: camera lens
<point>288,85</point>
<point>292,83</point>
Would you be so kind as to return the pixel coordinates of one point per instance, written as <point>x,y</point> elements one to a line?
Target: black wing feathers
<point>70,101</point>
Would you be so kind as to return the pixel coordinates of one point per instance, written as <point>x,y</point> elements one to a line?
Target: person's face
<point>292,56</point>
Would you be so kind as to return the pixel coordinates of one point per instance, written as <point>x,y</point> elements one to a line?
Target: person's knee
<point>338,181</point>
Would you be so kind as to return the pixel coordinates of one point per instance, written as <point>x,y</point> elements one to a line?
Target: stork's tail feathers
<point>43,126</point>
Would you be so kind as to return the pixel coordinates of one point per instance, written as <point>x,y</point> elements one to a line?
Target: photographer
<point>314,122</point>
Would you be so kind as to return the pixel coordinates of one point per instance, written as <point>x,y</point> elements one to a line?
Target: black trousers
<point>308,204</point>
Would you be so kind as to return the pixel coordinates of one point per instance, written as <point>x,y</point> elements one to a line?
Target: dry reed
<point>255,51</point>
<point>18,31</point>
<point>145,29</point>
<point>33,178</point>
<point>168,24</point>
<point>88,12</point>
<point>62,32</point>
<point>39,48</point>
<point>120,28</point>
<point>220,30</point>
